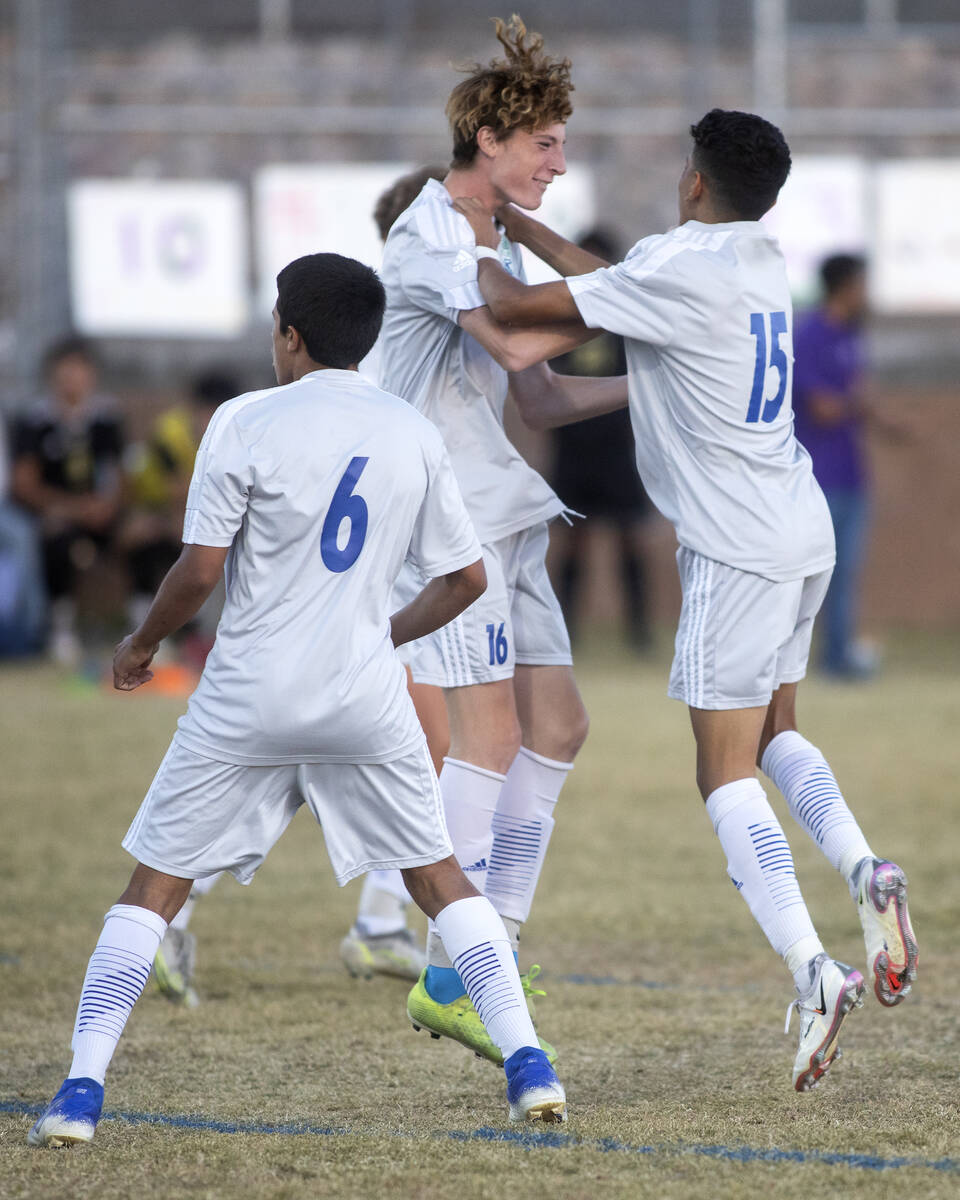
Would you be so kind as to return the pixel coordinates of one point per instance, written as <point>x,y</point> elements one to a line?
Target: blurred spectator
<point>23,600</point>
<point>159,481</point>
<point>832,413</point>
<point>67,451</point>
<point>596,474</point>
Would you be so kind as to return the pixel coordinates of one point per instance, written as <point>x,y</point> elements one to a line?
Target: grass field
<point>291,1080</point>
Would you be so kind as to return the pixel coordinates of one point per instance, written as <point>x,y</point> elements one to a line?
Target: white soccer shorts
<point>202,816</point>
<point>740,636</point>
<point>516,621</point>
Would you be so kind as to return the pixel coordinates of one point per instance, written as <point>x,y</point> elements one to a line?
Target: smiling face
<point>522,165</point>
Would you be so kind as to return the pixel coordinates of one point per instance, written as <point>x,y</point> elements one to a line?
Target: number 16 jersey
<point>707,318</point>
<point>320,488</point>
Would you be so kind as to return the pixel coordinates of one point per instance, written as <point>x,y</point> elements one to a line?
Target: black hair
<point>837,271</point>
<point>72,346</point>
<point>745,159</point>
<point>336,305</point>
<point>213,388</point>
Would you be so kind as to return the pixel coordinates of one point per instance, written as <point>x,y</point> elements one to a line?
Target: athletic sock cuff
<point>458,762</point>
<point>139,916</point>
<point>723,800</point>
<point>784,745</point>
<point>542,759</point>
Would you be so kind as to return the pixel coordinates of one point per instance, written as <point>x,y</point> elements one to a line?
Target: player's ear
<point>293,339</point>
<point>487,141</point>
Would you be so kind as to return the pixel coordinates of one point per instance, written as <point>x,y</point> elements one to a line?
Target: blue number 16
<point>778,359</point>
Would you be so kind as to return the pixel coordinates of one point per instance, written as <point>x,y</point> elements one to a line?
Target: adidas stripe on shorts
<point>740,636</point>
<point>517,620</point>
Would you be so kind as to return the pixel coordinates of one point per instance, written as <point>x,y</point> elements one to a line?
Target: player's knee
<point>571,735</point>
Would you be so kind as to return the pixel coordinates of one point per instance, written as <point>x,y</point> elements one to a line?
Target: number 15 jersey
<point>320,488</point>
<point>707,318</point>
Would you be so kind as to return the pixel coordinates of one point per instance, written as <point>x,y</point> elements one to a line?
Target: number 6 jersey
<point>706,314</point>
<point>320,488</point>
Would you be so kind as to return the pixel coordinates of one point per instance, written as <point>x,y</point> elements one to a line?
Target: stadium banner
<point>309,209</point>
<point>917,246</point>
<point>158,258</point>
<point>823,209</point>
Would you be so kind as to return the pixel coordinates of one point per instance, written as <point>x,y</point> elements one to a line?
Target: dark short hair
<point>336,305</point>
<point>837,271</point>
<point>213,388</point>
<point>401,194</point>
<point>71,346</point>
<point>745,159</point>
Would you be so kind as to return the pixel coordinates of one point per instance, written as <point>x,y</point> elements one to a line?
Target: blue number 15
<point>778,359</point>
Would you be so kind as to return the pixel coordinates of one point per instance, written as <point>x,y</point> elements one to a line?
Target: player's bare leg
<point>380,942</point>
<point>760,865</point>
<point>485,738</point>
<point>816,803</point>
<point>554,725</point>
<point>477,944</point>
<point>118,969</point>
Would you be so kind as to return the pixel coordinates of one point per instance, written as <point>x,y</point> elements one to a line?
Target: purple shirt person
<point>830,415</point>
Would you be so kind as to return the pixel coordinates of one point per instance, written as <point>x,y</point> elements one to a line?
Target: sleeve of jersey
<point>444,539</point>
<point>220,488</point>
<point>437,269</point>
<point>630,299</point>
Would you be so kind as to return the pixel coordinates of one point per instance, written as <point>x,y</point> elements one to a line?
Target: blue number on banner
<point>498,644</point>
<point>345,506</point>
<point>778,359</point>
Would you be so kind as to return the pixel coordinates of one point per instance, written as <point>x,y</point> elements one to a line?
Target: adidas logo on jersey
<point>479,865</point>
<point>464,260</point>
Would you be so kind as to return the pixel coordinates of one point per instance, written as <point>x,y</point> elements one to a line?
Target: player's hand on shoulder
<point>131,664</point>
<point>480,220</point>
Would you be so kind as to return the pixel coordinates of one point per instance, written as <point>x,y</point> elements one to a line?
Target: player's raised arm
<point>546,400</point>
<point>516,348</point>
<point>509,300</point>
<point>566,258</point>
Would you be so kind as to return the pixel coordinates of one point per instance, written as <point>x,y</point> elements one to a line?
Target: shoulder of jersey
<point>438,225</point>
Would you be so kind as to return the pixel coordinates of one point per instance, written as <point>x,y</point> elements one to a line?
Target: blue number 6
<point>345,507</point>
<point>778,359</point>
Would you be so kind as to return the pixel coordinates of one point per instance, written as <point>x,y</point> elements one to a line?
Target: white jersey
<point>320,489</point>
<point>430,275</point>
<point>707,318</point>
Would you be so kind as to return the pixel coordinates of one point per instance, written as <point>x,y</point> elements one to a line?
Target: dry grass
<point>663,997</point>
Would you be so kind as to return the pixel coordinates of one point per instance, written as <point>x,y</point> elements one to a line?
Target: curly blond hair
<point>525,90</point>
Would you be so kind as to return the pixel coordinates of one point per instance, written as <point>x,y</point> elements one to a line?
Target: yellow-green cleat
<point>458,1020</point>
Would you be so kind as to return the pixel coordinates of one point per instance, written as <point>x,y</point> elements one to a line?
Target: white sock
<point>200,888</point>
<point>478,947</point>
<point>383,904</point>
<point>801,772</point>
<point>469,802</point>
<point>760,863</point>
<point>116,974</point>
<point>522,826</point>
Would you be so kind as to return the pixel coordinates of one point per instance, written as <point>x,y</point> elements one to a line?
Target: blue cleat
<point>71,1116</point>
<point>533,1089</point>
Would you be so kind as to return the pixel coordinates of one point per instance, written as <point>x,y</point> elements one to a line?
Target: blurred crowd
<point>81,507</point>
<point>90,522</point>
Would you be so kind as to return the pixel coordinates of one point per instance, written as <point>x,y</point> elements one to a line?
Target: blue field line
<point>529,1140</point>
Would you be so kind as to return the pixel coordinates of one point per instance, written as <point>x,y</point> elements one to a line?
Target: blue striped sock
<point>116,974</point>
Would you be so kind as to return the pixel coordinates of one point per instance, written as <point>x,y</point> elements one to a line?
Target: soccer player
<point>516,718</point>
<point>705,311</point>
<point>309,495</point>
<point>379,942</point>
